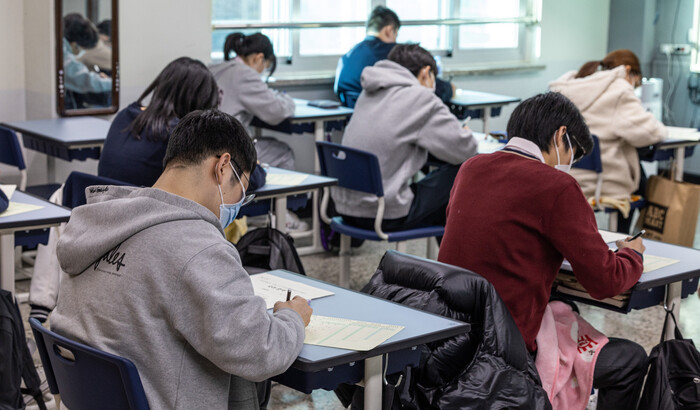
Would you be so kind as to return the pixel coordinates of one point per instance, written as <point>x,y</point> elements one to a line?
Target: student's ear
<point>221,166</point>
<point>628,68</point>
<point>424,76</point>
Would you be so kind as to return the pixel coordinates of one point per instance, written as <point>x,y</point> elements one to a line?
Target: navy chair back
<point>10,151</point>
<point>87,378</point>
<point>355,169</point>
<point>591,161</point>
<point>74,188</point>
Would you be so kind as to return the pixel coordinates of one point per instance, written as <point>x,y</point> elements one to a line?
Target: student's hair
<point>537,118</point>
<point>244,46</point>
<point>202,134</point>
<point>382,17</point>
<point>78,29</point>
<point>413,57</point>
<point>612,60</point>
<point>183,86</point>
<point>105,28</point>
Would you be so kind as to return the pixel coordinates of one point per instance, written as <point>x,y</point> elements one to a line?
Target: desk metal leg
<point>373,382</point>
<point>50,169</point>
<point>316,246</point>
<point>7,261</point>
<point>486,116</point>
<point>281,213</point>
<point>319,135</point>
<point>673,302</point>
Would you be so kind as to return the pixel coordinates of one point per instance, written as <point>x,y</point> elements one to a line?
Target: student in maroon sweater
<point>514,216</point>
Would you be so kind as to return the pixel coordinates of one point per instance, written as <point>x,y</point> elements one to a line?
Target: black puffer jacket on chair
<point>487,368</point>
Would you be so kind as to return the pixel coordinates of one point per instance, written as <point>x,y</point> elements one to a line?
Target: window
<point>312,34</point>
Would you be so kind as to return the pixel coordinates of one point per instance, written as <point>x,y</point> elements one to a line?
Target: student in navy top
<point>136,142</point>
<point>382,29</point>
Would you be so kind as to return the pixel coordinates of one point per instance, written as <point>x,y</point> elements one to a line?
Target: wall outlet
<point>677,49</point>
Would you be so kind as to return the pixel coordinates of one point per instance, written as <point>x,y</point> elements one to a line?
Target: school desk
<point>298,183</point>
<point>319,367</point>
<point>479,105</point>
<point>666,285</point>
<point>73,138</point>
<point>49,215</point>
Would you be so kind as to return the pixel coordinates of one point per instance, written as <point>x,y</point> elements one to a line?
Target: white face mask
<point>560,166</point>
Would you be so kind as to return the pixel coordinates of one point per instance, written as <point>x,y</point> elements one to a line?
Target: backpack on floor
<point>16,363</point>
<point>673,380</point>
<point>268,249</point>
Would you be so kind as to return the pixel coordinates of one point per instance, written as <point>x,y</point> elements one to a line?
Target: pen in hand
<point>289,294</point>
<point>637,235</point>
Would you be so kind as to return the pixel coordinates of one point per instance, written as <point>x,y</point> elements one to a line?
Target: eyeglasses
<point>246,198</point>
<point>579,152</point>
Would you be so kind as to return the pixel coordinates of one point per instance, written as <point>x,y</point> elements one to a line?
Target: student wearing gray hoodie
<point>399,118</point>
<point>151,277</point>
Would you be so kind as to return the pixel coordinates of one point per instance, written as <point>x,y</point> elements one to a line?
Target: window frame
<point>527,52</point>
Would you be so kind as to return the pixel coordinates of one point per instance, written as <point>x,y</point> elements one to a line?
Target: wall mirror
<point>87,57</point>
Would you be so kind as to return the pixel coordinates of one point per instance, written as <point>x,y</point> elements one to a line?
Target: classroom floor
<point>641,326</point>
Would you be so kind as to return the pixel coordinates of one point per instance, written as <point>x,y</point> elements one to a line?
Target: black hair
<point>202,134</point>
<point>382,17</point>
<point>78,29</point>
<point>105,28</point>
<point>413,57</point>
<point>244,46</point>
<point>183,86</point>
<point>537,119</point>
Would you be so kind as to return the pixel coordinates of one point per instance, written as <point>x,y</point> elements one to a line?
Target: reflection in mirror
<point>88,64</point>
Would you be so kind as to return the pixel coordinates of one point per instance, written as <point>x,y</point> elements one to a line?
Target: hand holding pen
<point>632,242</point>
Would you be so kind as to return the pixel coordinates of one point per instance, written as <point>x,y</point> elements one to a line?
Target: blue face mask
<point>228,212</point>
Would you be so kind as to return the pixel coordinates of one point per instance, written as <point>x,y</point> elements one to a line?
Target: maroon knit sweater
<point>513,219</point>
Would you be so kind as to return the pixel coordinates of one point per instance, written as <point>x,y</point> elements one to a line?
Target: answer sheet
<point>652,263</point>
<point>284,179</point>
<point>682,133</point>
<point>348,334</point>
<point>16,208</point>
<point>611,237</point>
<point>274,289</point>
<point>8,190</point>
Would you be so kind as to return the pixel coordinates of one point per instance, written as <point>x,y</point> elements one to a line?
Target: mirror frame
<point>60,90</point>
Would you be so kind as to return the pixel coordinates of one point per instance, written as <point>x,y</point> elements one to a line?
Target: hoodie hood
<point>120,213</point>
<point>585,91</point>
<point>386,74</point>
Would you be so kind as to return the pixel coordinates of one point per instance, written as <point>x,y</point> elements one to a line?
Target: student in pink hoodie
<point>604,93</point>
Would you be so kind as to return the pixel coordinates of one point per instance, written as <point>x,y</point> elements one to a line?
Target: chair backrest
<point>10,151</point>
<point>355,169</point>
<point>74,188</point>
<point>591,161</point>
<point>87,378</point>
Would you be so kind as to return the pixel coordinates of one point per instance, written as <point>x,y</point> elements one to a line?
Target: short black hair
<point>254,43</point>
<point>537,119</point>
<point>413,57</point>
<point>105,28</point>
<point>202,134</point>
<point>78,29</point>
<point>382,17</point>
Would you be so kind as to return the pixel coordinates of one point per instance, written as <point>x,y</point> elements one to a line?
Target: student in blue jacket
<point>382,30</point>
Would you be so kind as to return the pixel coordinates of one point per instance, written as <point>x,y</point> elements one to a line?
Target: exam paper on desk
<point>348,334</point>
<point>284,179</point>
<point>16,208</point>
<point>652,263</point>
<point>682,133</point>
<point>8,190</point>
<point>274,289</point>
<point>609,237</point>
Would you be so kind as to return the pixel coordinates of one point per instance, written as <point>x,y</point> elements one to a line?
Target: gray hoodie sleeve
<point>258,99</point>
<point>442,134</point>
<point>230,326</point>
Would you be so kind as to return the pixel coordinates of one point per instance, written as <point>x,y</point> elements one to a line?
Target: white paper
<point>8,190</point>
<point>274,289</point>
<point>682,133</point>
<point>348,334</point>
<point>652,263</point>
<point>16,208</point>
<point>284,179</point>
<point>610,237</point>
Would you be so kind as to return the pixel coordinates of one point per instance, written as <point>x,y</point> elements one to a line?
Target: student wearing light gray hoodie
<point>151,277</point>
<point>398,118</point>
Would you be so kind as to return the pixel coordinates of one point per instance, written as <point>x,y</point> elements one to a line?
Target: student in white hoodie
<point>604,93</point>
<point>246,96</point>
<point>399,118</point>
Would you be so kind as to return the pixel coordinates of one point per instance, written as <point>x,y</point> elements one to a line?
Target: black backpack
<point>16,363</point>
<point>268,249</point>
<point>673,380</point>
